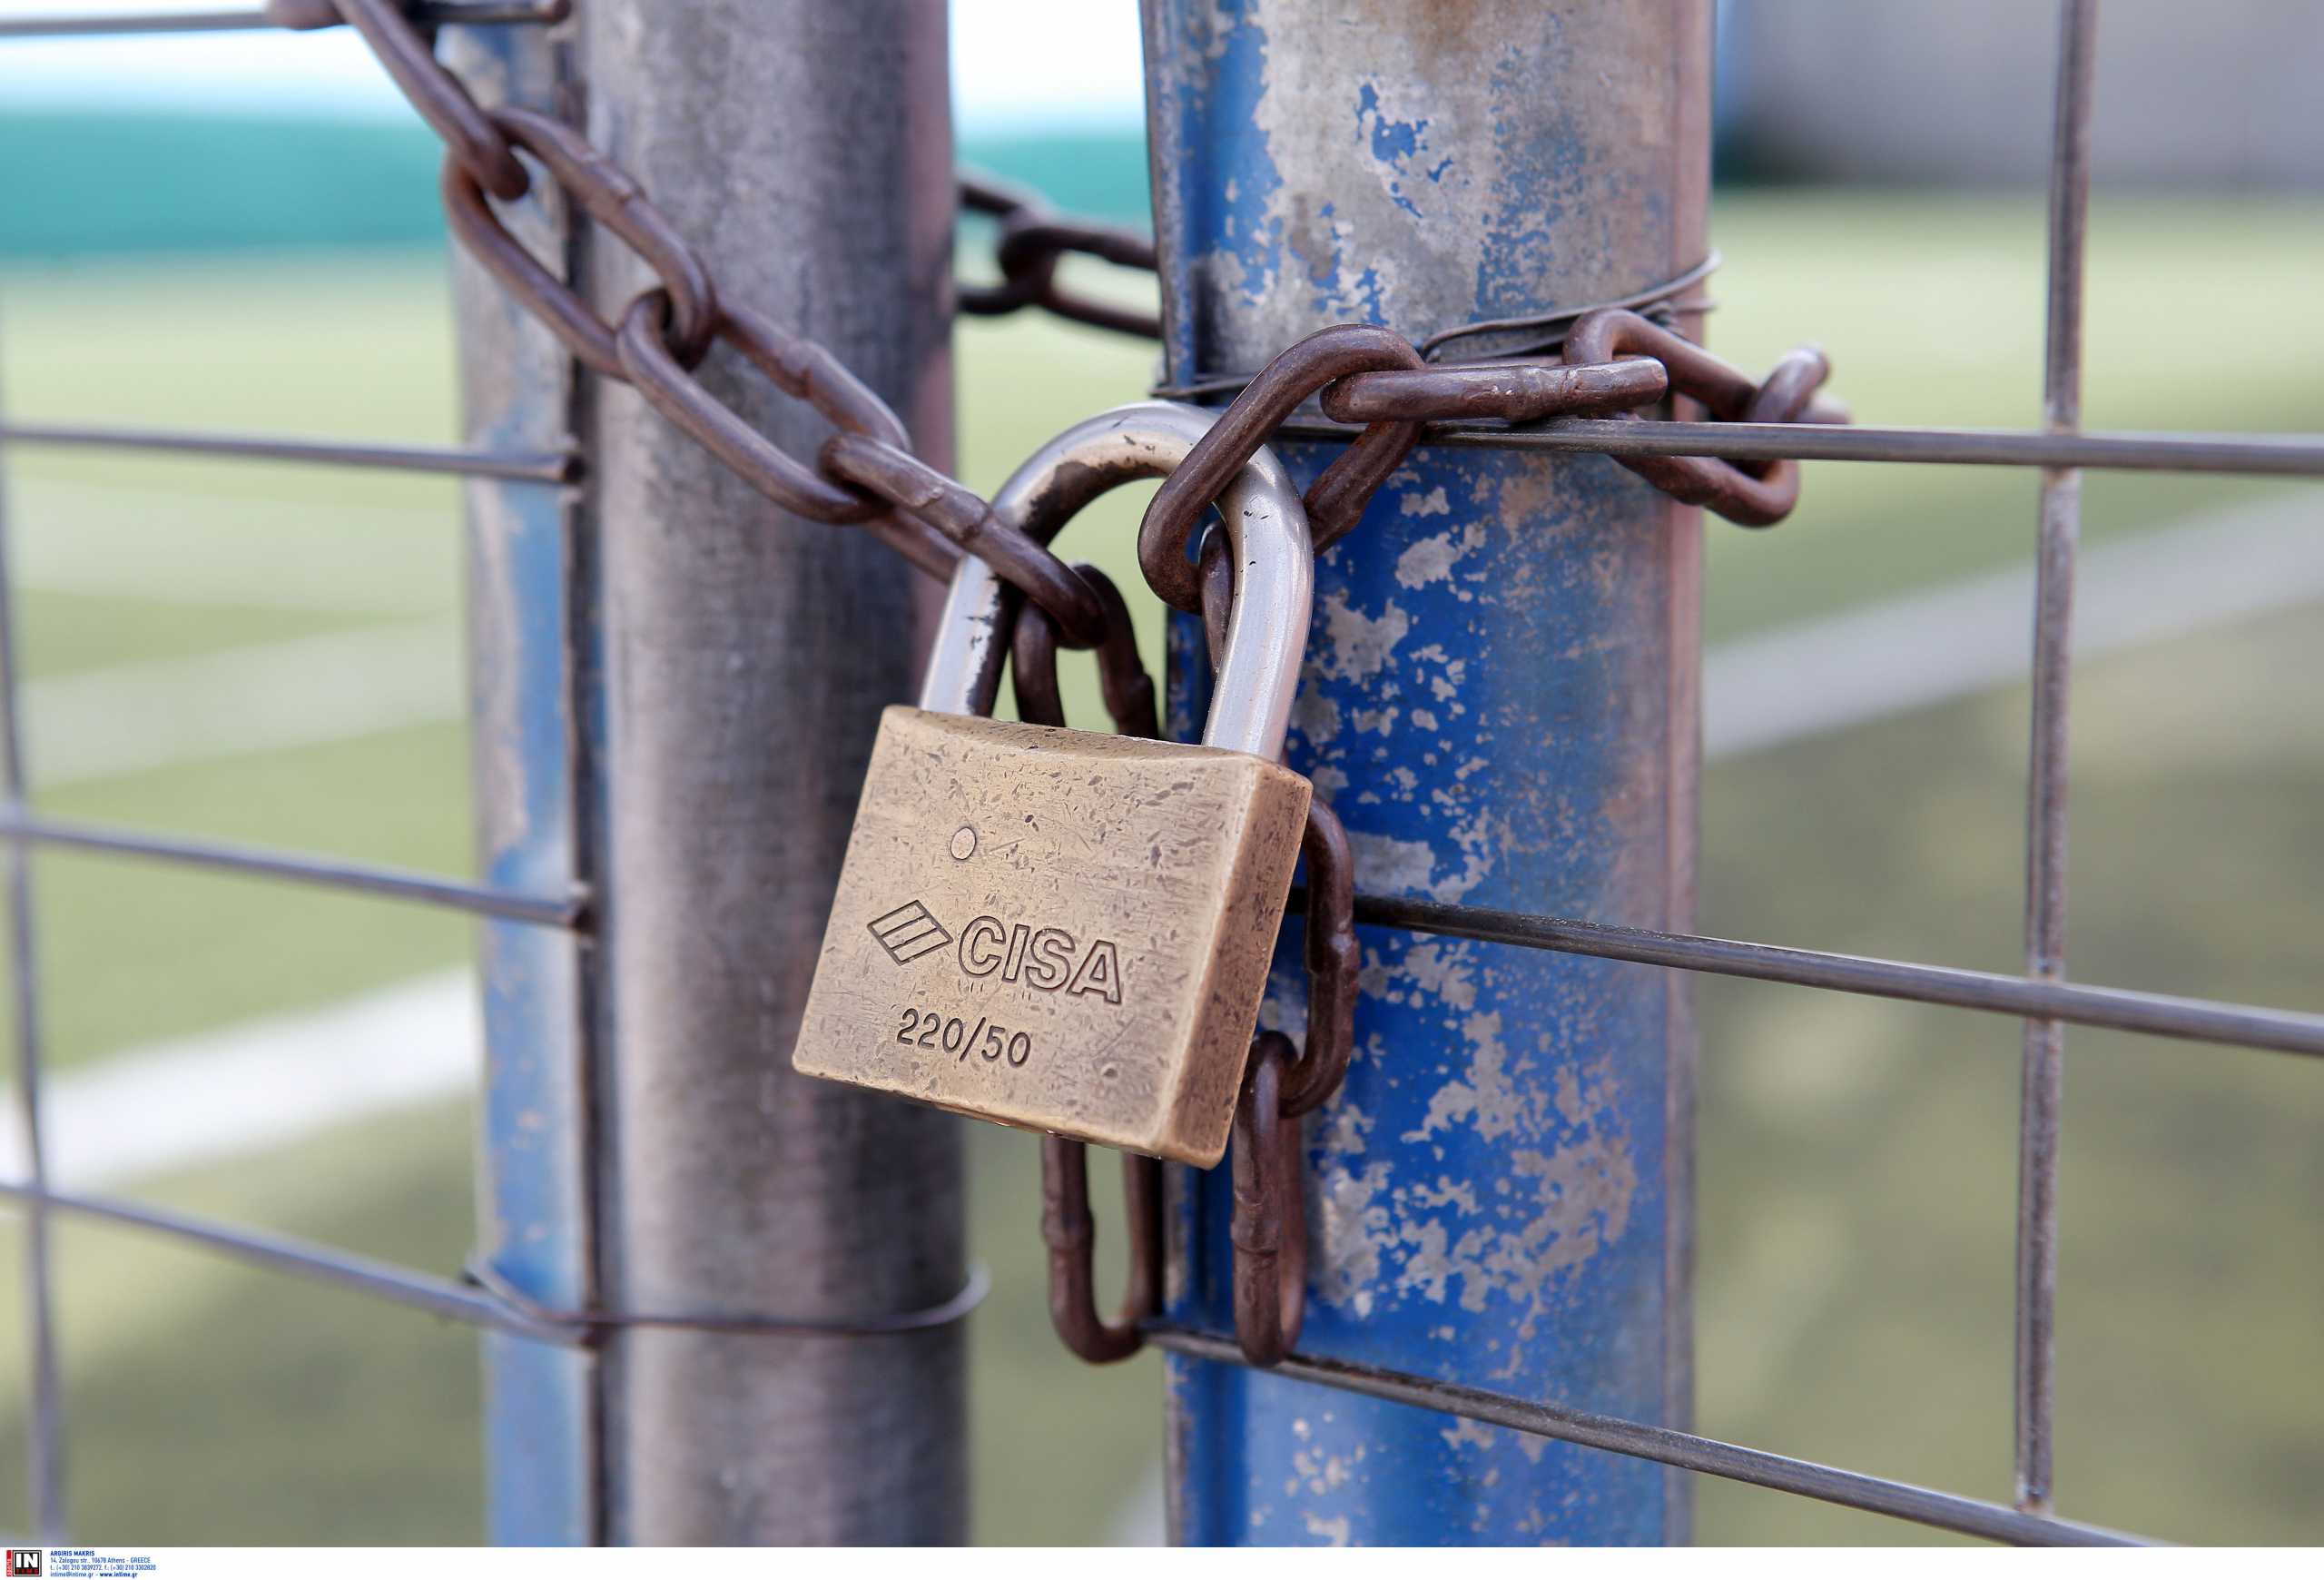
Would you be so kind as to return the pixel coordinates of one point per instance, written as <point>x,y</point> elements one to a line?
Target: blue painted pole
<point>535,715</point>
<point>1500,701</point>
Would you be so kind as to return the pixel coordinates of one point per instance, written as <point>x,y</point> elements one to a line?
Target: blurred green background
<point>1857,1157</point>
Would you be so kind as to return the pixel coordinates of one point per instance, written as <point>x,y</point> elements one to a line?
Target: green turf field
<point>1857,1157</point>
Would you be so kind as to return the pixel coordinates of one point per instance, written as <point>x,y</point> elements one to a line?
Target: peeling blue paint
<point>1481,705</point>
<point>1221,112</point>
<point>1393,143</point>
<point>1486,703</point>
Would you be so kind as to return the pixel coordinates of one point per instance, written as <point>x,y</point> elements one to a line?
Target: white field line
<point>1967,636</point>
<point>269,1083</point>
<point>1807,679</point>
<point>264,696</point>
<point>350,556</point>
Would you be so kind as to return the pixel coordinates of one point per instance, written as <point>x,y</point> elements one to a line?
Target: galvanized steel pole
<point>727,666</point>
<point>807,148</point>
<point>1500,702</point>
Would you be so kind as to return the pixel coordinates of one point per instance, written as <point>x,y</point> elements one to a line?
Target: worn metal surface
<point>1055,929</point>
<point>806,150</point>
<point>1510,391</point>
<point>2042,1098</point>
<point>1500,702</point>
<point>533,711</point>
<point>1178,505</point>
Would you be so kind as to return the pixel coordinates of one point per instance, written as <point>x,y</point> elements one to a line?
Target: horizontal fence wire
<point>257,19</point>
<point>2290,455</point>
<point>480,1307</point>
<point>541,468</point>
<point>482,1297</point>
<point>2113,1008</point>
<point>2294,455</point>
<point>26,827</point>
<point>1851,1490</point>
<point>280,1254</point>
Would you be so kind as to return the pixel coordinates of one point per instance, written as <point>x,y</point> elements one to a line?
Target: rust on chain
<point>865,472</point>
<point>474,138</point>
<point>798,367</point>
<point>925,494</point>
<point>1122,679</point>
<point>1510,391</point>
<point>606,194</point>
<point>1268,1225</point>
<point>1333,500</point>
<point>1334,961</point>
<point>1069,1231</point>
<point>1034,240</point>
<point>1788,391</point>
<point>1069,1228</point>
<point>1749,494</point>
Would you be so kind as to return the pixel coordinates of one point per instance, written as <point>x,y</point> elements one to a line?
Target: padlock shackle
<point>1266,530</point>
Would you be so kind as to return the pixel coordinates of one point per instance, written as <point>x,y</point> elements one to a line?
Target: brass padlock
<point>1064,931</point>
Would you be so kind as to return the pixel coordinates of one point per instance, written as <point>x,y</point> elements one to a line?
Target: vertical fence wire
<point>46,1468</point>
<point>2042,1069</point>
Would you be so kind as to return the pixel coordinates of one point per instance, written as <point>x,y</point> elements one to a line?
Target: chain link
<point>1034,239</point>
<point>1746,494</point>
<point>606,194</point>
<point>1614,361</point>
<point>1282,386</point>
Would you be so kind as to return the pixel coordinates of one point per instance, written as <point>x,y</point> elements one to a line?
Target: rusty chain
<point>1749,496</point>
<point>1614,359</point>
<point>865,473</point>
<point>1034,239</point>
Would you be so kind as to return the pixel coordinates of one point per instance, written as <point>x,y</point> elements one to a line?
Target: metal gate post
<point>534,716</point>
<point>725,669</point>
<point>1500,702</point>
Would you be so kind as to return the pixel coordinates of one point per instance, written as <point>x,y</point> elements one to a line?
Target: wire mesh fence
<point>2044,997</point>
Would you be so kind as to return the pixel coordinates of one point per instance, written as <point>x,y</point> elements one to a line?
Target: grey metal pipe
<point>806,148</point>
